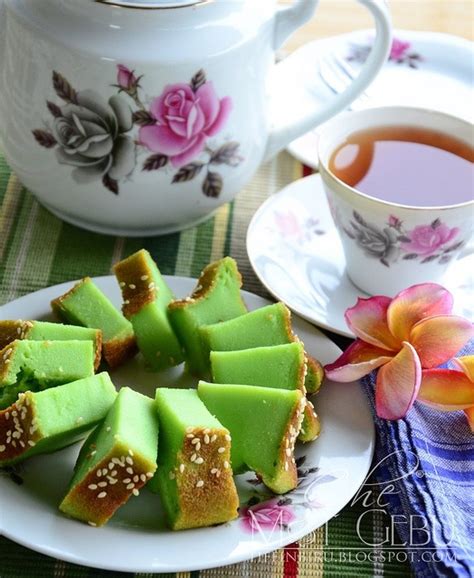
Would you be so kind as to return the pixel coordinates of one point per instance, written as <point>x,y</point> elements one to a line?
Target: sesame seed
<point>214,471</point>
<point>143,478</point>
<point>7,415</point>
<point>99,473</point>
<point>116,461</point>
<point>199,484</point>
<point>14,443</point>
<point>92,486</point>
<point>197,447</point>
<point>130,486</point>
<point>213,438</point>
<point>286,466</point>
<point>144,278</point>
<point>102,484</point>
<point>151,286</point>
<point>195,441</point>
<point>93,524</point>
<point>181,468</point>
<point>122,284</point>
<point>93,452</point>
<point>114,473</point>
<point>193,457</point>
<point>130,471</point>
<point>111,465</point>
<point>132,286</point>
<point>112,481</point>
<point>227,437</point>
<point>206,439</point>
<point>126,302</point>
<point>129,460</point>
<point>149,474</point>
<point>101,495</point>
<point>221,450</point>
<point>135,492</point>
<point>136,479</point>
<point>189,428</point>
<point>190,436</point>
<point>108,428</point>
<point>288,452</point>
<point>2,449</point>
<point>22,443</point>
<point>226,465</point>
<point>126,480</point>
<point>207,430</point>
<point>172,475</point>
<point>104,471</point>
<point>199,461</point>
<point>130,453</point>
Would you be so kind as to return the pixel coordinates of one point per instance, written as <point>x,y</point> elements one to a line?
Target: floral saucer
<point>295,250</point>
<point>425,69</point>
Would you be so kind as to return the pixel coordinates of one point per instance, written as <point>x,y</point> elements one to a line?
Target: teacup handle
<point>300,111</point>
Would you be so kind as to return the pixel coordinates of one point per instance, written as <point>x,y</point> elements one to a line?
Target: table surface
<point>37,250</point>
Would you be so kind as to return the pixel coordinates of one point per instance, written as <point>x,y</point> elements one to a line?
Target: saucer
<point>425,69</point>
<point>295,251</point>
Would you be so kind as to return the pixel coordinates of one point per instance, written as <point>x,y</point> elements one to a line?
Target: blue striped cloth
<point>425,462</point>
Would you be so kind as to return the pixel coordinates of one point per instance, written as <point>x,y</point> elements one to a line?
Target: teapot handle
<point>295,105</point>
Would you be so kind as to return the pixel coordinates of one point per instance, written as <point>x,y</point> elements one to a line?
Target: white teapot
<point>142,117</point>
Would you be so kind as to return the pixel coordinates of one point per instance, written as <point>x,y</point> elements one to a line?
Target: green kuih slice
<point>216,298</point>
<point>264,423</point>
<point>36,365</point>
<point>45,331</point>
<point>194,475</point>
<point>270,325</point>
<point>49,420</point>
<point>116,460</point>
<point>86,305</point>
<point>278,366</point>
<point>146,297</point>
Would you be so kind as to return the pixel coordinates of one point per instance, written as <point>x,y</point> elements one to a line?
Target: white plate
<point>434,71</point>
<point>136,539</point>
<point>295,250</point>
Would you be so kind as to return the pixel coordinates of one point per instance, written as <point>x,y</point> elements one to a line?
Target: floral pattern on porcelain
<point>267,512</point>
<point>389,244</point>
<point>96,136</point>
<point>401,52</point>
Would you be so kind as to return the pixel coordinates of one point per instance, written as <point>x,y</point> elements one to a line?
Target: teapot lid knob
<point>152,4</point>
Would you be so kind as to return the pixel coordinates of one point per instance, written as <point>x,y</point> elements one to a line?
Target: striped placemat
<point>38,250</point>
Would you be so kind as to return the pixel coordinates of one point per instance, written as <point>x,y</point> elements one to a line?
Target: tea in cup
<point>400,185</point>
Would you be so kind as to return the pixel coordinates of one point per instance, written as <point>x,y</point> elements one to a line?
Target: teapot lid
<point>150,4</point>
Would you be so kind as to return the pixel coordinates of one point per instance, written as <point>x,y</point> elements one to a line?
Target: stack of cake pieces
<point>246,414</point>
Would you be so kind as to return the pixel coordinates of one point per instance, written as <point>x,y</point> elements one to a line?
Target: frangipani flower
<point>449,389</point>
<point>401,336</point>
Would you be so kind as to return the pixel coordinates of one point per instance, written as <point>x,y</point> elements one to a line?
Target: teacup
<point>389,246</point>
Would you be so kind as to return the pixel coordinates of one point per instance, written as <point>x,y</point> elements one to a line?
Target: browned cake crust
<point>6,355</point>
<point>287,477</point>
<point>206,489</point>
<point>18,430</point>
<point>136,283</point>
<point>11,330</point>
<point>311,425</point>
<point>118,351</point>
<point>106,487</point>
<point>206,282</point>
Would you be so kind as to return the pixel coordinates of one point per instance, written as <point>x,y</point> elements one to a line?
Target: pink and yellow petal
<point>438,339</point>
<point>470,417</point>
<point>466,364</point>
<point>368,321</point>
<point>398,383</point>
<point>414,304</point>
<point>446,390</point>
<point>358,359</point>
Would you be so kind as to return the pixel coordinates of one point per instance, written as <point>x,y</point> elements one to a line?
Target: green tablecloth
<point>37,250</point>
